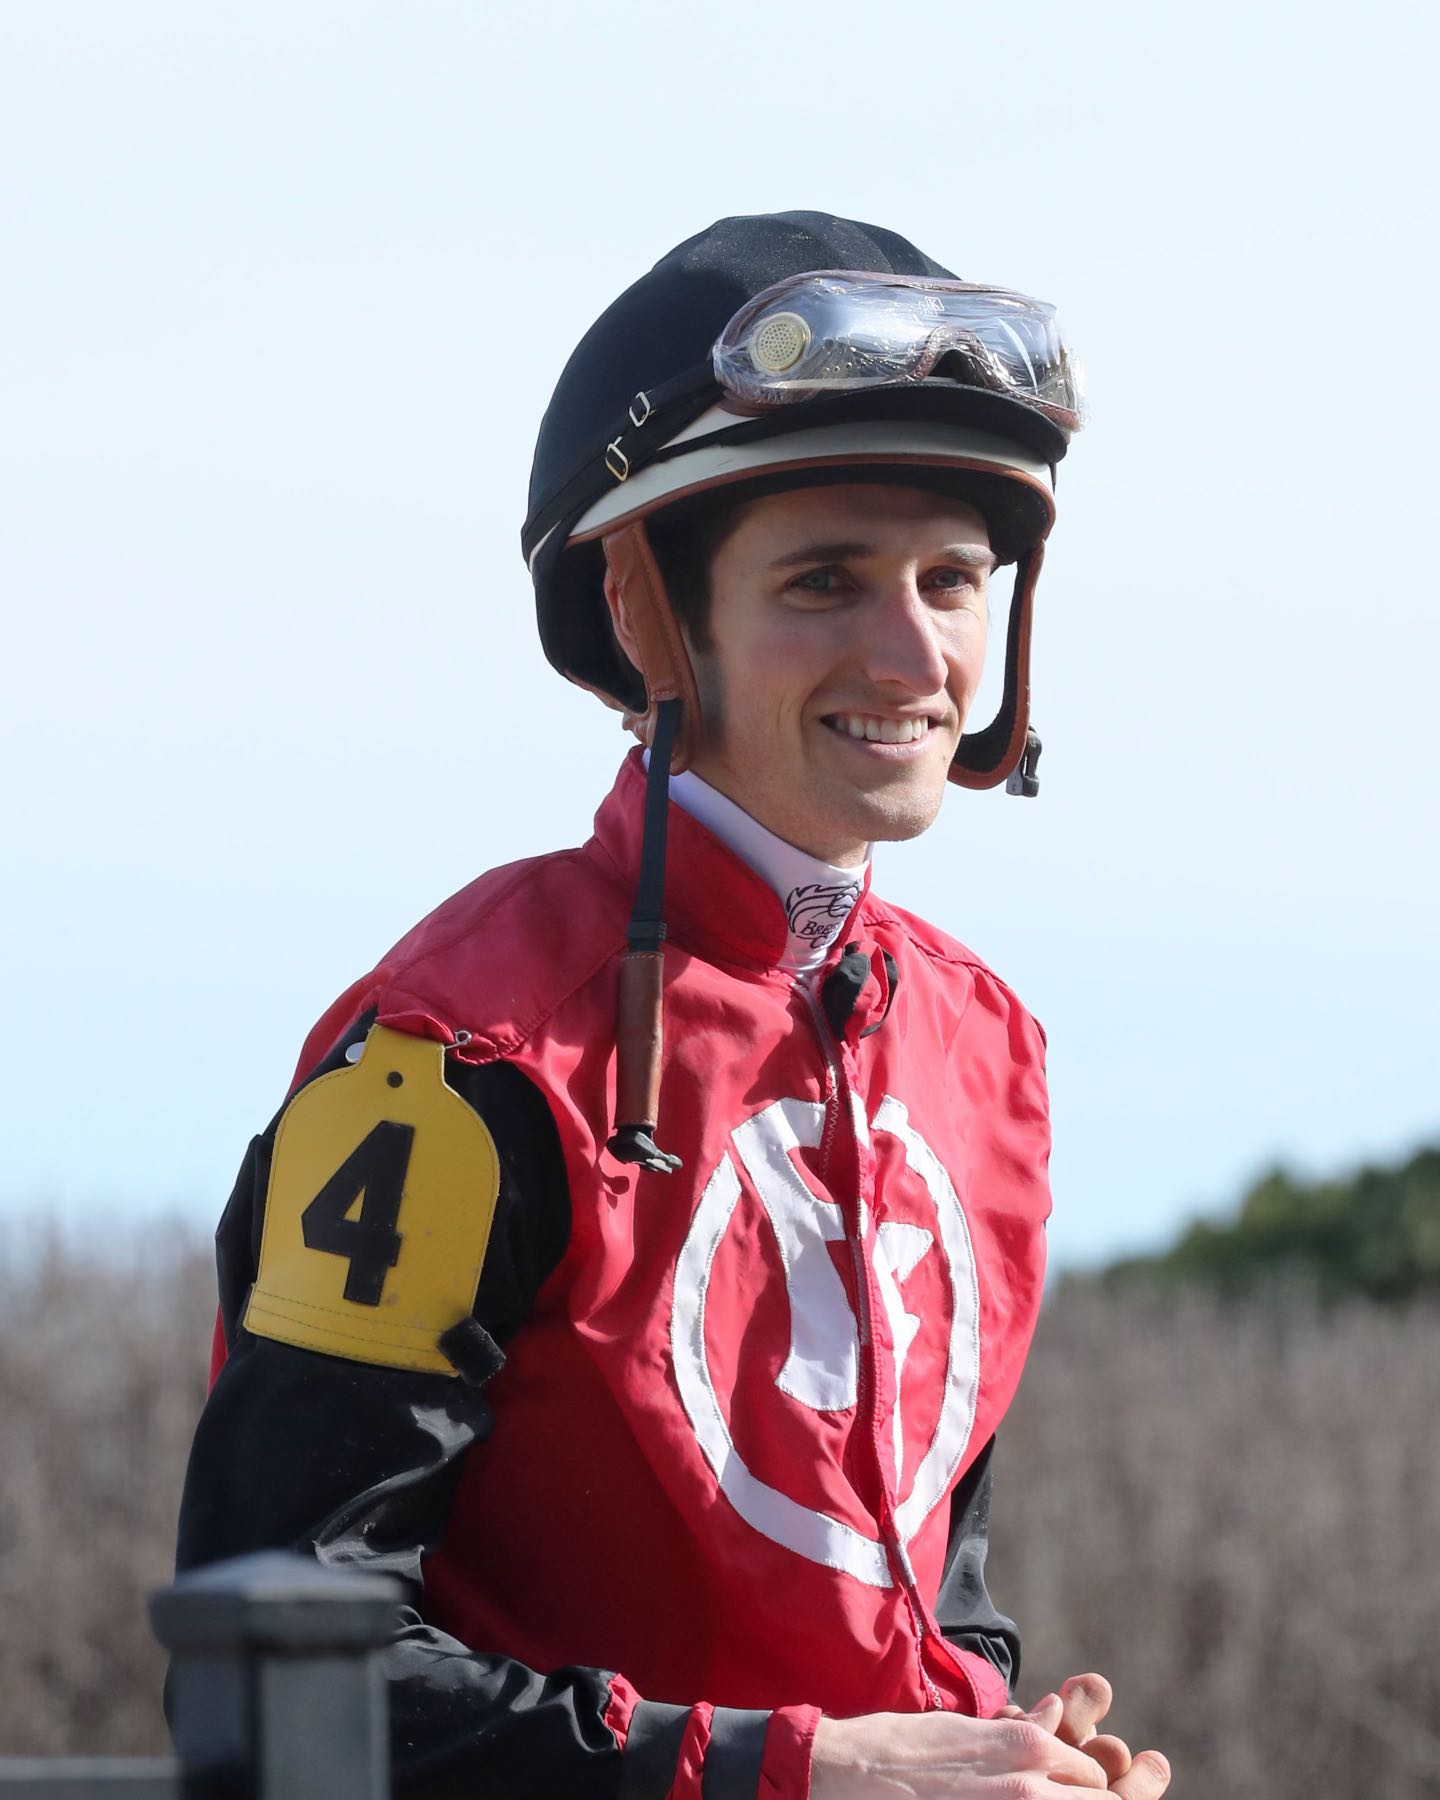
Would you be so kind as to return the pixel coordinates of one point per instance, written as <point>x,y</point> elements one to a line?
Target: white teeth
<point>881,731</point>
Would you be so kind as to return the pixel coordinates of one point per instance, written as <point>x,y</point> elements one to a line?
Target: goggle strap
<point>983,759</point>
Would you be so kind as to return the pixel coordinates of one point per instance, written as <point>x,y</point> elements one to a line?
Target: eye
<point>955,586</point>
<point>818,582</point>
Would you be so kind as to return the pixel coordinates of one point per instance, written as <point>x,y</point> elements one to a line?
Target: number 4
<point>370,1242</point>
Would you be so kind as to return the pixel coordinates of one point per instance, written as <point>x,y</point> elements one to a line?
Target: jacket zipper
<point>840,1097</point>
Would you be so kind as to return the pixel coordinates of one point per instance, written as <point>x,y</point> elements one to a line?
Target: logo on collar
<point>816,910</point>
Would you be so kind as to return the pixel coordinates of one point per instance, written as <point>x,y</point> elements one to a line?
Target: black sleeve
<point>357,1465</point>
<point>964,1610</point>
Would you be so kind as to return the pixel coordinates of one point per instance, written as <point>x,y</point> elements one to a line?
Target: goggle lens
<point>840,332</point>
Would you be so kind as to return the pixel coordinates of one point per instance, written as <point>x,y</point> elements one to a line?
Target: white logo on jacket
<point>821,1370</point>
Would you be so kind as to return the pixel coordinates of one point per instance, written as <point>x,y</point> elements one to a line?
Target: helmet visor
<point>840,332</point>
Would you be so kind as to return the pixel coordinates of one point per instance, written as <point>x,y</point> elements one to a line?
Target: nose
<point>905,646</point>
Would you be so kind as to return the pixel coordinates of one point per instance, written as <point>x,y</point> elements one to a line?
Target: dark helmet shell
<point>648,357</point>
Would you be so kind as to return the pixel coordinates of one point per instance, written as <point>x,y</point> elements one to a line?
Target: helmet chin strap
<point>1004,750</point>
<point>659,643</point>
<point>1007,747</point>
<point>670,726</point>
<point>639,1028</point>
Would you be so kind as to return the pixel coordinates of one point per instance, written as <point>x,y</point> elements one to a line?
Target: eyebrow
<point>973,556</point>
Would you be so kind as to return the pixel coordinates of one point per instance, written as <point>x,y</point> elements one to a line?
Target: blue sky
<point>287,288</point>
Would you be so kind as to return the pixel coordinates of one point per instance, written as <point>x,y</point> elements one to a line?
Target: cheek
<point>769,673</point>
<point>744,690</point>
<point>711,689</point>
<point>965,650</point>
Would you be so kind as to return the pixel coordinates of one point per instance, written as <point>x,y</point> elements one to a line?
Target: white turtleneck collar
<point>818,898</point>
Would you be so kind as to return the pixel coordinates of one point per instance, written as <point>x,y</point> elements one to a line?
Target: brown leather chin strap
<point>670,725</point>
<point>983,759</point>
<point>672,721</point>
<point>664,659</point>
<point>639,1028</point>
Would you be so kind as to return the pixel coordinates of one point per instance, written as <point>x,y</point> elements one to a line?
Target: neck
<point>818,896</point>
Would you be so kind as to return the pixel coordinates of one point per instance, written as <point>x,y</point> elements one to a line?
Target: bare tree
<point>1232,1511</point>
<point>102,1374</point>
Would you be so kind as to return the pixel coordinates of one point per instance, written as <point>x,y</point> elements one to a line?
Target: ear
<point>620,620</point>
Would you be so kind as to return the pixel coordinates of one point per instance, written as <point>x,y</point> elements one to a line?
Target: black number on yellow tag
<point>370,1242</point>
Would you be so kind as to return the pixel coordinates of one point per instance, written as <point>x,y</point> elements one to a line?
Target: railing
<point>275,1692</point>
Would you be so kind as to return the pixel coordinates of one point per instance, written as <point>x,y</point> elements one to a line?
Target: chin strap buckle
<point>1022,779</point>
<point>635,1144</point>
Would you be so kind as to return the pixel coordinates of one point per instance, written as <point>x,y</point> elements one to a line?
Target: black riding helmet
<point>780,350</point>
<point>644,374</point>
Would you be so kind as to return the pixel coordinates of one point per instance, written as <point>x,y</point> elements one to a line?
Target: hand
<point>1073,1715</point>
<point>948,1756</point>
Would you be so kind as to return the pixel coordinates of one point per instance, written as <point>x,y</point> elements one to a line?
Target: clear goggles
<point>839,332</point>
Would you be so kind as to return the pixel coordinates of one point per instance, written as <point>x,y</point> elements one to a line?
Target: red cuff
<point>674,1744</point>
<point>789,1741</point>
<point>621,1708</point>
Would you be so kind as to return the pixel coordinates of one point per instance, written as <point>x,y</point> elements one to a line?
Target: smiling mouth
<point>870,728</point>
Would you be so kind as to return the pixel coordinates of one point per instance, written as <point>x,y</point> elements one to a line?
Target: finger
<point>1088,1775</point>
<point>1047,1713</point>
<point>1146,1779</point>
<point>1011,1712</point>
<point>1086,1701</point>
<point>1112,1754</point>
<point>1068,1767</point>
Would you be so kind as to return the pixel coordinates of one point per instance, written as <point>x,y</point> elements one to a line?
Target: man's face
<point>848,633</point>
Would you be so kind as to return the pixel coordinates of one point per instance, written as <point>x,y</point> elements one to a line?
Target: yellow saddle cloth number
<point>383,1185</point>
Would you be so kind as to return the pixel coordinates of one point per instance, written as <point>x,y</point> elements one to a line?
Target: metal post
<point>92,1778</point>
<point>275,1687</point>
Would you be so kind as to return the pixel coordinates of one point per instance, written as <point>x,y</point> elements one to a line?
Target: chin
<point>892,818</point>
<point>898,828</point>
